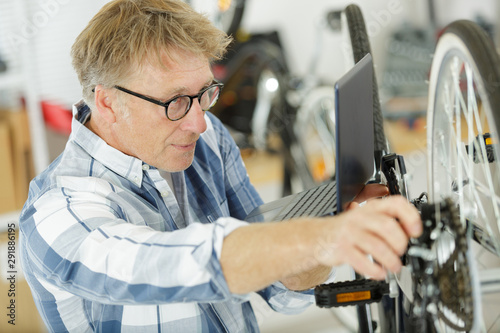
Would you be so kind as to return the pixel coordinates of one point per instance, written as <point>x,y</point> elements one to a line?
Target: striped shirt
<point>107,245</point>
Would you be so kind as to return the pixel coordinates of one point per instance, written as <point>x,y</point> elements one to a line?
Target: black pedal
<point>350,293</point>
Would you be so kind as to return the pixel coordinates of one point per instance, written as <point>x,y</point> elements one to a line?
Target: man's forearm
<point>257,255</point>
<point>309,279</point>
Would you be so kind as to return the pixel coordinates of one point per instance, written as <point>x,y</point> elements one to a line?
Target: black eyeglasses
<point>177,107</point>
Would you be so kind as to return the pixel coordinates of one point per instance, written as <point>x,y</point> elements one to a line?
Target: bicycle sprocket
<point>444,278</point>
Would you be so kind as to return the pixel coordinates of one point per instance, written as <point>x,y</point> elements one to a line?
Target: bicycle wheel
<point>358,46</point>
<point>463,152</point>
<point>255,76</point>
<point>355,47</point>
<point>225,14</point>
<point>314,128</point>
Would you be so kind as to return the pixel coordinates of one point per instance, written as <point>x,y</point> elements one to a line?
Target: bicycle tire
<point>236,18</point>
<point>465,51</point>
<point>261,115</point>
<point>360,46</point>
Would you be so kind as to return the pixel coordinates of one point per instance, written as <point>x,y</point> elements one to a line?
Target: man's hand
<point>381,228</point>
<point>302,251</point>
<point>318,274</point>
<point>370,191</point>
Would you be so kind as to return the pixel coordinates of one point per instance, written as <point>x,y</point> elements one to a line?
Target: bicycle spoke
<point>454,106</point>
<point>459,106</point>
<point>488,190</point>
<point>463,145</point>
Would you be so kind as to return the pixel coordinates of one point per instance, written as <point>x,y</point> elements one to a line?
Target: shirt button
<point>164,194</point>
<point>145,167</point>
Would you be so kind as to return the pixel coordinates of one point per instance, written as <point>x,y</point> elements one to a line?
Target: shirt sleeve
<point>241,195</point>
<point>283,300</point>
<point>286,301</point>
<point>242,199</point>
<point>81,242</point>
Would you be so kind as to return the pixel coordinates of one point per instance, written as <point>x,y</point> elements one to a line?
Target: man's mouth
<point>185,147</point>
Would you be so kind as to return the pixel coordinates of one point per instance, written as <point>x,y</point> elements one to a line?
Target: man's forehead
<point>172,66</point>
<point>171,59</point>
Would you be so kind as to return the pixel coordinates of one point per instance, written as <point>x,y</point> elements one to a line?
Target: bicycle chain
<point>452,277</point>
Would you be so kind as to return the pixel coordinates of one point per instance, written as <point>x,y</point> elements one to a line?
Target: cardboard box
<point>18,313</point>
<point>7,184</point>
<point>20,154</point>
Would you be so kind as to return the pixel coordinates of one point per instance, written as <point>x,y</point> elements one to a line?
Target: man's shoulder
<point>214,135</point>
<point>72,162</point>
<point>217,131</point>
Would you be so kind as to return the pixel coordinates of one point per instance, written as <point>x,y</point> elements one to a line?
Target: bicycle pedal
<point>349,293</point>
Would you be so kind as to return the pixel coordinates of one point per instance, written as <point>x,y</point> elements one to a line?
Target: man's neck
<point>93,125</point>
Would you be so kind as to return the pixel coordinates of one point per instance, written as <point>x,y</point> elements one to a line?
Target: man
<point>137,225</point>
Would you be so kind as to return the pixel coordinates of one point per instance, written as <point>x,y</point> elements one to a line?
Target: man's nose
<point>194,120</point>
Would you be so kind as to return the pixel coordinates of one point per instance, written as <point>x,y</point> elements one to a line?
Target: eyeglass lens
<point>180,106</point>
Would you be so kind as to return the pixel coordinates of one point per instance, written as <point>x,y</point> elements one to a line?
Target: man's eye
<point>175,100</point>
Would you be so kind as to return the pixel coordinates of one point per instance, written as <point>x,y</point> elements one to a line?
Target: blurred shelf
<point>405,107</point>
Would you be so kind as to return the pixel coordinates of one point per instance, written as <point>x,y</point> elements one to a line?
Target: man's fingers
<point>352,205</point>
<point>381,228</point>
<point>398,208</point>
<point>388,230</point>
<point>378,223</point>
<point>363,265</point>
<point>372,191</point>
<point>382,252</point>
<point>382,238</point>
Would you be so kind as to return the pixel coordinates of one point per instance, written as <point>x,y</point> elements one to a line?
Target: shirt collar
<point>124,165</point>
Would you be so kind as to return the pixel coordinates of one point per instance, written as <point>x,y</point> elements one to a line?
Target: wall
<point>55,23</point>
<point>300,25</point>
<point>297,22</point>
<point>53,41</point>
<point>52,26</point>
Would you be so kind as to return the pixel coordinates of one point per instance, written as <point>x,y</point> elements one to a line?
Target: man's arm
<point>257,255</point>
<point>245,248</point>
<point>81,242</point>
<point>318,273</point>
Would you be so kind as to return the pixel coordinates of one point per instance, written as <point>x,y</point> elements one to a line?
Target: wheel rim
<point>461,118</point>
<point>461,128</point>
<point>316,125</point>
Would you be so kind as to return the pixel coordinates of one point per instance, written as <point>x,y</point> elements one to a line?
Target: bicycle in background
<point>225,14</point>
<point>261,101</point>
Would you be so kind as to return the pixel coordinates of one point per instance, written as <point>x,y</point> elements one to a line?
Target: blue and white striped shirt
<point>107,246</point>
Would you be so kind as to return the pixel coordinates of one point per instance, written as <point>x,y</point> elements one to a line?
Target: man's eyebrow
<point>183,90</point>
<point>209,82</point>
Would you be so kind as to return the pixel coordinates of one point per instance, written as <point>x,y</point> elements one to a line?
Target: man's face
<point>145,132</point>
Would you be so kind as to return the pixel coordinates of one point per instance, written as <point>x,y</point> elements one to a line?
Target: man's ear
<point>102,100</point>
